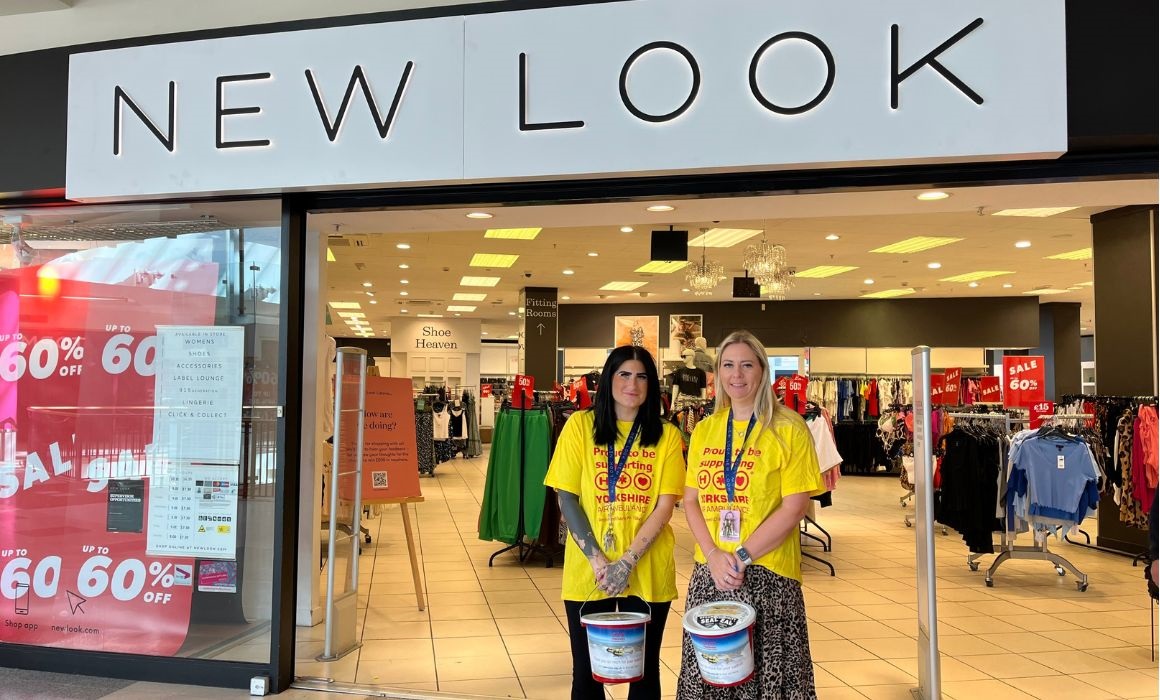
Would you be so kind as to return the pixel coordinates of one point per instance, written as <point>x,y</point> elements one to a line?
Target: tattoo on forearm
<point>578,525</point>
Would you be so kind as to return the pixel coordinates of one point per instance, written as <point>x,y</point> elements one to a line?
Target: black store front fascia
<point>1112,135</point>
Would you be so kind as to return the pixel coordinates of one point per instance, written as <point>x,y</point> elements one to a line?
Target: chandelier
<point>704,276</point>
<point>766,263</point>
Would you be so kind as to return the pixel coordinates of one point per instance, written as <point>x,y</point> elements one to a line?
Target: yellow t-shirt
<point>770,470</point>
<point>580,466</point>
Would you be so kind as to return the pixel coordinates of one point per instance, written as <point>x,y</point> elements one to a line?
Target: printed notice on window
<point>197,435</point>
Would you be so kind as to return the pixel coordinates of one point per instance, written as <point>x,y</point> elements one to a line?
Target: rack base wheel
<point>974,565</point>
<point>1059,570</point>
<point>1081,586</point>
<point>368,539</point>
<point>907,522</point>
<point>990,583</point>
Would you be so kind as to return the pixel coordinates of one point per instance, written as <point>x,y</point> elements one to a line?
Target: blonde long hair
<point>769,411</point>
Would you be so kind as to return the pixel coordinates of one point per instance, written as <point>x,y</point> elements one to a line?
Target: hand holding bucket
<point>616,644</point>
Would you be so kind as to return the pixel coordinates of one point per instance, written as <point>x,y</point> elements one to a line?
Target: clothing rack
<point>524,548</point>
<point>827,541</point>
<point>1007,546</point>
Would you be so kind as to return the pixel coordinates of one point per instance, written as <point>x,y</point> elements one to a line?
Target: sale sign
<point>937,382</point>
<point>1024,380</point>
<point>484,391</point>
<point>795,395</point>
<point>77,399</point>
<point>1038,410</point>
<point>990,390</point>
<point>952,386</point>
<point>524,394</point>
<point>780,387</point>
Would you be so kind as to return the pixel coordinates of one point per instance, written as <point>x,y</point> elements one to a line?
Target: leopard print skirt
<point>783,669</point>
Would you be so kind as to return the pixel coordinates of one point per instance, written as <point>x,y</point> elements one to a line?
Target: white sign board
<point>435,336</point>
<point>197,437</point>
<point>670,86</point>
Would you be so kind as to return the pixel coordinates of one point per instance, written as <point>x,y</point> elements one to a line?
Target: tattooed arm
<point>581,531</point>
<point>616,576</point>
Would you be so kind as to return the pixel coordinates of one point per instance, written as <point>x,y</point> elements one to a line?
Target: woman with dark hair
<point>752,469</point>
<point>618,470</point>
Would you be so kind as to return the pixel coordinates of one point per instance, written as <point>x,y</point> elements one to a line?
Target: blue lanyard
<point>614,472</point>
<point>731,466</point>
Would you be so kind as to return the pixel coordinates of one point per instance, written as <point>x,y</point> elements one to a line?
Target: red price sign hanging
<point>990,390</point>
<point>524,395</point>
<point>780,386</point>
<point>484,391</point>
<point>936,389</point>
<point>795,396</point>
<point>1024,381</point>
<point>952,386</point>
<point>1039,410</point>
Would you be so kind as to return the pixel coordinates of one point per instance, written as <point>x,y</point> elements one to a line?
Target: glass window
<point>139,372</point>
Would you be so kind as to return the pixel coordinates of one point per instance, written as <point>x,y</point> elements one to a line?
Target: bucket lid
<point>719,618</point>
<point>616,619</point>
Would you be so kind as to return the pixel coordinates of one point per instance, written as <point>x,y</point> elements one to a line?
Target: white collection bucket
<point>616,645</point>
<point>722,636</point>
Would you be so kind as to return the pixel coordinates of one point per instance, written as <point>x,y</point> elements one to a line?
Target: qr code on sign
<point>379,480</point>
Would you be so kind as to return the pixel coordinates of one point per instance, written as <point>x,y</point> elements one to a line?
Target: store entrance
<point>436,299</point>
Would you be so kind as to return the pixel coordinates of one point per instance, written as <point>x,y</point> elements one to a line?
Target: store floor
<point>501,631</point>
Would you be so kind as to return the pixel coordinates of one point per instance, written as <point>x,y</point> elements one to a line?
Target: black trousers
<point>584,686</point>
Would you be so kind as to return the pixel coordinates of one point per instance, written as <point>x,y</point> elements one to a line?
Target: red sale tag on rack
<point>795,396</point>
<point>1039,410</point>
<point>952,386</point>
<point>990,390</point>
<point>484,390</point>
<point>936,389</point>
<point>780,386</point>
<point>1024,381</point>
<point>524,393</point>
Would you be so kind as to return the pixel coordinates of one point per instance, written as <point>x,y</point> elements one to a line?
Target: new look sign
<point>642,87</point>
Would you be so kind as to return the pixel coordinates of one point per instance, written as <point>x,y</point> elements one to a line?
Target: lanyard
<point>614,472</point>
<point>731,466</point>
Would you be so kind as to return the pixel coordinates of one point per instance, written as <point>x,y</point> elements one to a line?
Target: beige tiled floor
<point>501,631</point>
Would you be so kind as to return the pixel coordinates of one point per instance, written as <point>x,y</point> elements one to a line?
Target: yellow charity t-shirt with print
<point>777,463</point>
<point>580,466</point>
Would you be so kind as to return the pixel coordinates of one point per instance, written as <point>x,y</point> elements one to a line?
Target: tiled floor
<point>500,631</point>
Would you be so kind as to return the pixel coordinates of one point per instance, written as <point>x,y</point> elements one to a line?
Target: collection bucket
<point>616,645</point>
<point>722,637</point>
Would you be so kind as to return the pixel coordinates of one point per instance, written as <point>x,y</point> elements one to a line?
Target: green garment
<point>499,515</point>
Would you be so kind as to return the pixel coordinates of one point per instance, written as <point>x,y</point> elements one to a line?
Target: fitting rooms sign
<point>435,336</point>
<point>673,86</point>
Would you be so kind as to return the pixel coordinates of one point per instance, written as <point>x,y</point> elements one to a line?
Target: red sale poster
<point>1038,411</point>
<point>952,386</point>
<point>77,365</point>
<point>936,389</point>
<point>990,390</point>
<point>1024,381</point>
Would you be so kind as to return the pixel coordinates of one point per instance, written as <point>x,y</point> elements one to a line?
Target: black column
<point>1124,250</point>
<point>1060,346</point>
<point>540,334</point>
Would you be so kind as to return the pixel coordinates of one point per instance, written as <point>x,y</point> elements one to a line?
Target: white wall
<point>889,360</point>
<point>103,20</point>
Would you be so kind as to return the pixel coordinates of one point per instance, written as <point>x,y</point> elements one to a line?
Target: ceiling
<point>587,240</point>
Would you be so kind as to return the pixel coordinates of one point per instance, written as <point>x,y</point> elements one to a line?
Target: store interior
<point>495,627</point>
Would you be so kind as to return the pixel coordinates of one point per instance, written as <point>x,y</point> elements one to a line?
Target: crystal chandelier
<point>766,263</point>
<point>704,276</point>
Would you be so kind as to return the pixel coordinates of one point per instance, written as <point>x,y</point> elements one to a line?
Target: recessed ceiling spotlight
<point>478,215</point>
<point>404,293</point>
<point>972,285</point>
<point>934,265</point>
<point>404,266</point>
<point>404,281</point>
<point>931,196</point>
<point>1008,285</point>
<point>368,284</point>
<point>593,254</point>
<point>511,313</point>
<point>458,314</point>
<point>626,229</point>
<point>566,298</point>
<point>403,246</point>
<point>685,290</point>
<point>403,311</point>
<point>569,272</point>
<point>374,301</point>
<point>1022,244</point>
<point>867,281</point>
<point>661,207</point>
<point>369,294</point>
<point>833,237</point>
<point>817,294</point>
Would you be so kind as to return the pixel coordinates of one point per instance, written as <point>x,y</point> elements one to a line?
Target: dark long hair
<point>604,408</point>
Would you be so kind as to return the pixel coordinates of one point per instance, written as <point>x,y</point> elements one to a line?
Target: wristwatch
<point>743,555</point>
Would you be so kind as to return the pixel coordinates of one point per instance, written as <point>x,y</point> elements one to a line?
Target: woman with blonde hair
<point>752,468</point>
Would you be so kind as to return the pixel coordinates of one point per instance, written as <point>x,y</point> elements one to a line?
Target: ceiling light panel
<point>337,305</point>
<point>976,276</point>
<point>429,315</point>
<point>469,281</point>
<point>1081,254</point>
<point>1045,211</point>
<point>622,286</point>
<point>723,237</point>
<point>468,296</point>
<point>823,271</point>
<point>1047,291</point>
<point>330,256</point>
<point>493,260</point>
<point>519,234</point>
<point>352,314</point>
<point>661,267</point>
<point>465,309</point>
<point>916,244</point>
<point>888,293</point>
